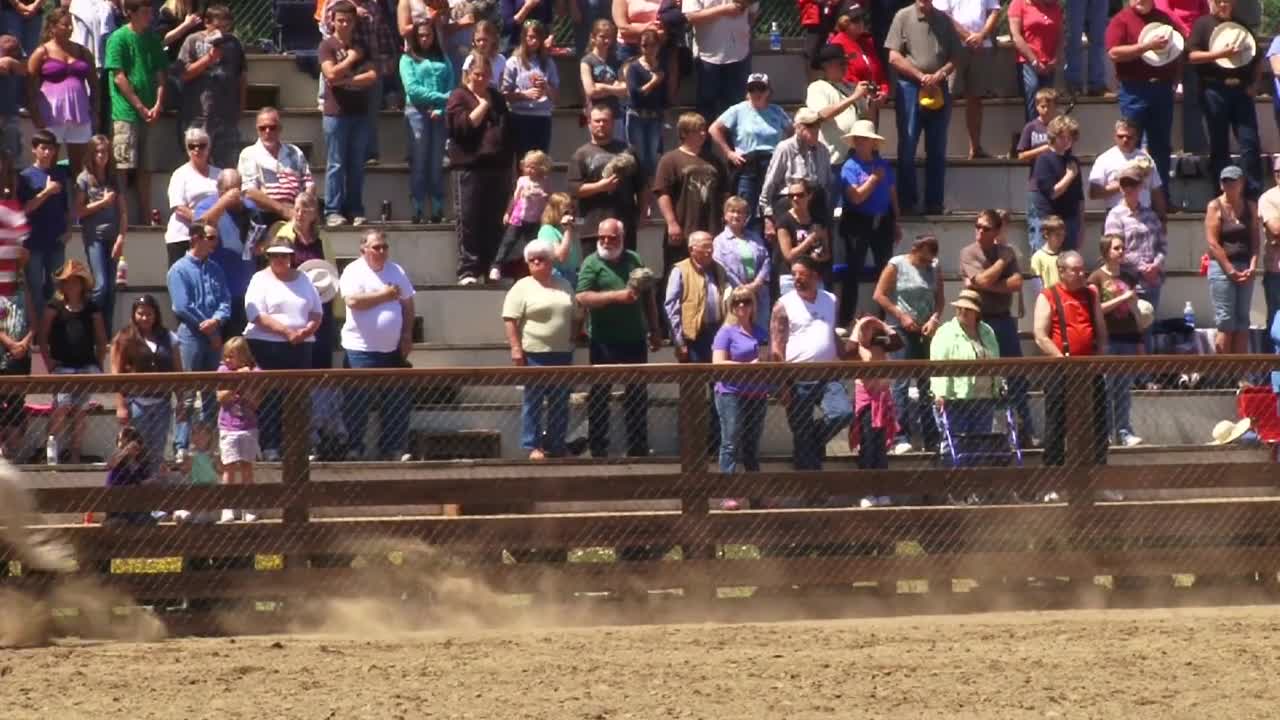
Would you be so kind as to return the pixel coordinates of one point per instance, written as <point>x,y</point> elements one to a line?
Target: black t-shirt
<point>71,341</point>
<point>1201,31</point>
<point>798,233</point>
<point>588,165</point>
<point>1047,171</point>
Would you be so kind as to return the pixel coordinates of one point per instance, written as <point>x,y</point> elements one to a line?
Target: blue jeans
<point>25,30</point>
<point>394,407</point>
<point>1030,82</point>
<point>273,355</point>
<point>152,421</point>
<point>635,400</point>
<point>98,240</point>
<point>914,415</point>
<point>556,396</point>
<point>1150,105</point>
<point>720,86</point>
<point>810,435</point>
<point>914,120</point>
<point>41,266</point>
<point>1193,135</point>
<point>1119,390</point>
<point>1230,299</point>
<point>741,424</point>
<point>1227,110</point>
<point>530,132</point>
<point>1086,16</point>
<point>346,140</point>
<point>426,160</point>
<point>645,136</point>
<point>198,355</point>
<point>1006,330</point>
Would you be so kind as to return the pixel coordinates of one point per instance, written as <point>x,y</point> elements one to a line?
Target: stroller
<point>978,449</point>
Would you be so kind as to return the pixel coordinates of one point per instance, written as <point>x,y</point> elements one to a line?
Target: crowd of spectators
<point>755,222</point>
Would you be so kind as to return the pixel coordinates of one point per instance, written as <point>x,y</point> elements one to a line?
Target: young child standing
<point>557,232</point>
<point>238,424</point>
<point>524,214</point>
<point>1044,263</point>
<point>1034,140</point>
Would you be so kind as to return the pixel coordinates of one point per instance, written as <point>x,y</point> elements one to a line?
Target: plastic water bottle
<point>122,273</point>
<point>51,450</point>
<point>1189,316</point>
<point>775,37</point>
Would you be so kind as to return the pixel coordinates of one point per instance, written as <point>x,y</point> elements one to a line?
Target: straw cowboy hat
<point>863,129</point>
<point>1171,52</point>
<point>1227,432</point>
<point>75,268</point>
<point>968,300</point>
<point>1233,34</point>
<point>324,276</point>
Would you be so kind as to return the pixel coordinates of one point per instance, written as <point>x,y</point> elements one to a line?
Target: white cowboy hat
<point>1227,432</point>
<point>1229,34</point>
<point>863,129</point>
<point>1146,314</point>
<point>1170,52</point>
<point>324,276</point>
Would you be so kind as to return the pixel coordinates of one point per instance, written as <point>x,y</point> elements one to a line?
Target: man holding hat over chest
<point>1146,49</point>
<point>1225,53</point>
<point>924,48</point>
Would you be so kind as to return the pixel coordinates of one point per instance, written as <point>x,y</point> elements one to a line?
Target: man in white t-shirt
<point>378,333</point>
<point>722,51</point>
<point>1104,183</point>
<point>975,21</point>
<point>802,329</point>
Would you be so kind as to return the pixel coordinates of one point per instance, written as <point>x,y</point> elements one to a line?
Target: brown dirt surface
<point>1193,663</point>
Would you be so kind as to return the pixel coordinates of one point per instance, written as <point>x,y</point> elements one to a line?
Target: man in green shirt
<point>622,320</point>
<point>136,62</point>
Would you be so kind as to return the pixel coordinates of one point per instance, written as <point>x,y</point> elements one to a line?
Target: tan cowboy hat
<point>324,276</point>
<point>1227,432</point>
<point>968,300</point>
<point>75,268</point>
<point>863,129</point>
<point>1233,34</point>
<point>1171,52</point>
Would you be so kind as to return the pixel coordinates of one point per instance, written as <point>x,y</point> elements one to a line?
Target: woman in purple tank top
<point>59,72</point>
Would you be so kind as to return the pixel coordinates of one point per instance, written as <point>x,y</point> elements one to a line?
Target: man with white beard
<point>624,328</point>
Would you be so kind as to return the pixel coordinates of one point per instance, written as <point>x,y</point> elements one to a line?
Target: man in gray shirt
<point>799,157</point>
<point>923,48</point>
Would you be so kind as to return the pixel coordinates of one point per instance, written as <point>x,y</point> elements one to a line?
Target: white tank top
<point>810,327</point>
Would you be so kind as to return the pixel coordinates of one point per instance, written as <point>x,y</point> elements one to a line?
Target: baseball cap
<point>807,116</point>
<point>757,79</point>
<point>1230,172</point>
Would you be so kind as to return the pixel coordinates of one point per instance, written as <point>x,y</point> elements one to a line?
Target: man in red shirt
<point>1068,322</point>
<point>1146,91</point>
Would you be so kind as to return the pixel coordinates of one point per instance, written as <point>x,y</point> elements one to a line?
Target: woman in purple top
<point>741,405</point>
<point>61,73</point>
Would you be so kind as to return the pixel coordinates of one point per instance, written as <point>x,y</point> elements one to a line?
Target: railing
<point>1179,513</point>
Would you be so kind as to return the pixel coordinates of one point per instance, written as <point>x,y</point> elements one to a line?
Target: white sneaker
<point>1130,441</point>
<point>334,220</point>
<point>902,448</point>
<point>227,516</point>
<point>359,220</point>
<point>869,501</point>
<point>495,274</point>
<point>1051,497</point>
<point>181,516</point>
<point>179,456</point>
<point>407,457</point>
<point>247,516</point>
<point>467,280</point>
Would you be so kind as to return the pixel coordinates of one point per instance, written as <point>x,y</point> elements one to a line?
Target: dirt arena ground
<point>1196,663</point>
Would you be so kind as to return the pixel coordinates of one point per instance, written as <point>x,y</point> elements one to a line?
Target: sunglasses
<point>268,128</point>
<point>607,237</point>
<point>382,247</point>
<point>197,146</point>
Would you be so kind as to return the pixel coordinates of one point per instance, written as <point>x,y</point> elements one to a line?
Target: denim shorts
<point>1231,300</point>
<point>80,397</point>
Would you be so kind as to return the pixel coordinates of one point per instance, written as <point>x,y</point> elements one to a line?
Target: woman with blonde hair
<point>557,231</point>
<point>741,406</point>
<point>531,85</point>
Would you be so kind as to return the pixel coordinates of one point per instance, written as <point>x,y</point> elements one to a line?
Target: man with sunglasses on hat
<point>212,63</point>
<point>273,172</point>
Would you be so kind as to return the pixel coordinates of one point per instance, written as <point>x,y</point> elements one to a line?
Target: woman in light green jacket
<point>969,401</point>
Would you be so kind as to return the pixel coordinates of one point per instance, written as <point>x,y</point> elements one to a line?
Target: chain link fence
<point>709,482</point>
